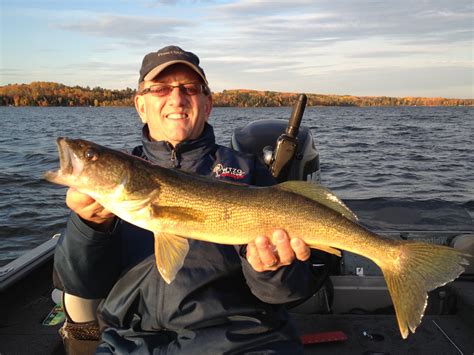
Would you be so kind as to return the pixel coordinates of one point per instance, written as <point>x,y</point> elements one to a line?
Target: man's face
<point>176,117</point>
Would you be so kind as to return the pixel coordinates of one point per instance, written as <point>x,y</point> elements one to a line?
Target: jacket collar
<point>184,155</point>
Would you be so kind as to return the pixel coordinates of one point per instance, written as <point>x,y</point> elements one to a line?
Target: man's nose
<point>177,95</point>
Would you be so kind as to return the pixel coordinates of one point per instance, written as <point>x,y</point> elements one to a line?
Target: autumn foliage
<point>54,94</point>
<point>251,98</point>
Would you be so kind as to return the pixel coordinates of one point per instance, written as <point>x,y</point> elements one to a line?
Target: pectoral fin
<point>319,194</point>
<point>170,251</point>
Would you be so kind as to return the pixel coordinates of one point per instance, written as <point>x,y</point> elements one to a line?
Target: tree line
<point>54,94</point>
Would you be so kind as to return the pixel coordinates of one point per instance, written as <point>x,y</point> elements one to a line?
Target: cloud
<point>155,3</point>
<point>246,8</point>
<point>308,38</point>
<point>390,53</point>
<point>275,45</point>
<point>253,27</point>
<point>9,75</point>
<point>400,81</point>
<point>314,21</point>
<point>449,81</point>
<point>139,28</point>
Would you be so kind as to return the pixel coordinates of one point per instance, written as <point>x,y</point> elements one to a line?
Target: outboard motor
<point>287,148</point>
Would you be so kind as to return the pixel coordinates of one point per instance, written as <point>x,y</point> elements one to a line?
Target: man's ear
<point>208,107</point>
<point>141,107</point>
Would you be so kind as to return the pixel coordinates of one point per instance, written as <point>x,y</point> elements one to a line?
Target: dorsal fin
<point>319,194</point>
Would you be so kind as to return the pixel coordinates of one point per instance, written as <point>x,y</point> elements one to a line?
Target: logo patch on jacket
<point>234,173</point>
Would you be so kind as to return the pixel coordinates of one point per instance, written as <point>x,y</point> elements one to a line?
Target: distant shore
<point>55,94</point>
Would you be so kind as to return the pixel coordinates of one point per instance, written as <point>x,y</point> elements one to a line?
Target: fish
<point>176,205</point>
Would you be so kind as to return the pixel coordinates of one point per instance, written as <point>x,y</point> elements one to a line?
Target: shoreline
<point>50,94</point>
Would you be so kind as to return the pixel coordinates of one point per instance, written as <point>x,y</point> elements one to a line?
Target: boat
<point>352,312</point>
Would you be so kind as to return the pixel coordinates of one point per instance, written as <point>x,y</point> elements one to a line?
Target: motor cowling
<point>260,137</point>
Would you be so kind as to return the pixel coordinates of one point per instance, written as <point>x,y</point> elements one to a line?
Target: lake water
<point>418,153</point>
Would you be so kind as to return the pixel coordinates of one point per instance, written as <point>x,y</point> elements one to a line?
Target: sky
<point>344,47</point>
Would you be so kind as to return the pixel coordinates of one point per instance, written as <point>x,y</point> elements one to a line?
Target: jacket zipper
<point>174,157</point>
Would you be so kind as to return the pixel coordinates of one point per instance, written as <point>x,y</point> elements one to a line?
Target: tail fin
<point>420,268</point>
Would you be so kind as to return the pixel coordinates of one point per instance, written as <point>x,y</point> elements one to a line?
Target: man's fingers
<point>301,249</point>
<point>284,250</point>
<point>266,252</point>
<point>87,208</point>
<point>253,258</point>
<point>76,199</point>
<point>266,255</point>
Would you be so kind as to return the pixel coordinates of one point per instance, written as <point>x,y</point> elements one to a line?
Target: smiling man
<point>224,298</point>
<point>174,115</point>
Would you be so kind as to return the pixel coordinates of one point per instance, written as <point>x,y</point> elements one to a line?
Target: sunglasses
<point>161,90</point>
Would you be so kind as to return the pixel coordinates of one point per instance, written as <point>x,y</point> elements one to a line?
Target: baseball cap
<point>155,62</point>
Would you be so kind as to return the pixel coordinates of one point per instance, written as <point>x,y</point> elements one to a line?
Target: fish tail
<point>418,269</point>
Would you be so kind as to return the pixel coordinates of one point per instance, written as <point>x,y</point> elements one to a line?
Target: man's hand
<point>93,213</point>
<point>265,254</point>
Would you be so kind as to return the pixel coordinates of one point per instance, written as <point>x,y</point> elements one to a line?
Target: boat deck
<point>437,334</point>
<point>22,331</point>
<point>23,309</point>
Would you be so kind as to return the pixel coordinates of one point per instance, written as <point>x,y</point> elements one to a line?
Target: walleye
<point>175,205</point>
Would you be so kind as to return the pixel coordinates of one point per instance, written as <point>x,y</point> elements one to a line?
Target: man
<point>225,298</point>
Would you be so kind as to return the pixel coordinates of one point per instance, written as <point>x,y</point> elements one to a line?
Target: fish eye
<point>91,154</point>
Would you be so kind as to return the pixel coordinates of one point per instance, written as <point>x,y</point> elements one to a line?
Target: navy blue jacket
<point>217,302</point>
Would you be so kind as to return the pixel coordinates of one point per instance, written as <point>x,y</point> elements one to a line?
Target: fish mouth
<point>70,165</point>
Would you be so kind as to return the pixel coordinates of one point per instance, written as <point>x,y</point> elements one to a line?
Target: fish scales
<point>245,213</point>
